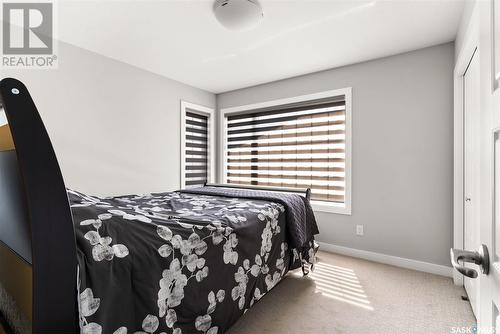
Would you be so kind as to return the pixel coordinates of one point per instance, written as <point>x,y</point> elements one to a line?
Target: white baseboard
<point>389,259</point>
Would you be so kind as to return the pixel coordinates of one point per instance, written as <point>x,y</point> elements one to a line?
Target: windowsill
<point>337,208</point>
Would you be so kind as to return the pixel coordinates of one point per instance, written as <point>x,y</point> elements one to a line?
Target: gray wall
<point>402,174</point>
<point>115,128</point>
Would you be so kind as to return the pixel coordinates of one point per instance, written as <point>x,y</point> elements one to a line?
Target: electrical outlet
<point>359,230</point>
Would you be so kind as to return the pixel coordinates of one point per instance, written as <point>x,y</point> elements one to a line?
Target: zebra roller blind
<point>196,154</point>
<point>294,146</point>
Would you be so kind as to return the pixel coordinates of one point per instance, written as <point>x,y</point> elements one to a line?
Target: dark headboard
<point>36,217</point>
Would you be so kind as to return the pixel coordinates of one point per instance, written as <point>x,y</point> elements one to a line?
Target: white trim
<point>333,207</point>
<point>470,45</point>
<point>209,112</point>
<point>426,267</point>
<point>347,92</point>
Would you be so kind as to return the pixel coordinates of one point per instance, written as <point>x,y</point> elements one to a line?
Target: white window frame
<point>210,113</point>
<point>321,206</point>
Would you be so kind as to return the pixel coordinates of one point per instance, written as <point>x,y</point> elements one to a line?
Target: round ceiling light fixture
<point>238,14</point>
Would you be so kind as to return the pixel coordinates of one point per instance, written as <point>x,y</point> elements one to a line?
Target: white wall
<point>464,25</point>
<point>402,151</point>
<point>115,128</point>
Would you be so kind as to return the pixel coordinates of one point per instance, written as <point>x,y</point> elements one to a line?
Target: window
<point>303,142</point>
<point>197,142</point>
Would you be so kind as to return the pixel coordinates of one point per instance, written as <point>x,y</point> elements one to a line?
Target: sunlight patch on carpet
<point>341,284</point>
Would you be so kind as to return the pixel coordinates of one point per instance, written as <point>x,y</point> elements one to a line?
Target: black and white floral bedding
<point>177,262</point>
<point>300,221</point>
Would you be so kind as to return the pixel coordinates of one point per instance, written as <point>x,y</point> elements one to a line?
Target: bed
<point>189,261</point>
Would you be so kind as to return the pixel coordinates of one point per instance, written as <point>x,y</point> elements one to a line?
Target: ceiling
<point>181,40</point>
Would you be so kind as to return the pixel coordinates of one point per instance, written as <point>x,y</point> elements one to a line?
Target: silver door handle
<point>481,258</point>
<point>467,199</point>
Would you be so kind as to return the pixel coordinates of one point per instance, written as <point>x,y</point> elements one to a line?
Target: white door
<point>471,104</point>
<point>490,237</point>
<point>489,306</point>
<point>489,292</point>
<point>484,32</point>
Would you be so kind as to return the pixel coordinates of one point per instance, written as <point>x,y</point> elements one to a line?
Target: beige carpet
<point>349,295</point>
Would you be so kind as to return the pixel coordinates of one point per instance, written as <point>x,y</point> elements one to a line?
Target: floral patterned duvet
<point>176,262</point>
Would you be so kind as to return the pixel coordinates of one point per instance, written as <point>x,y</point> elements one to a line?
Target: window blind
<point>300,146</point>
<point>196,154</point>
